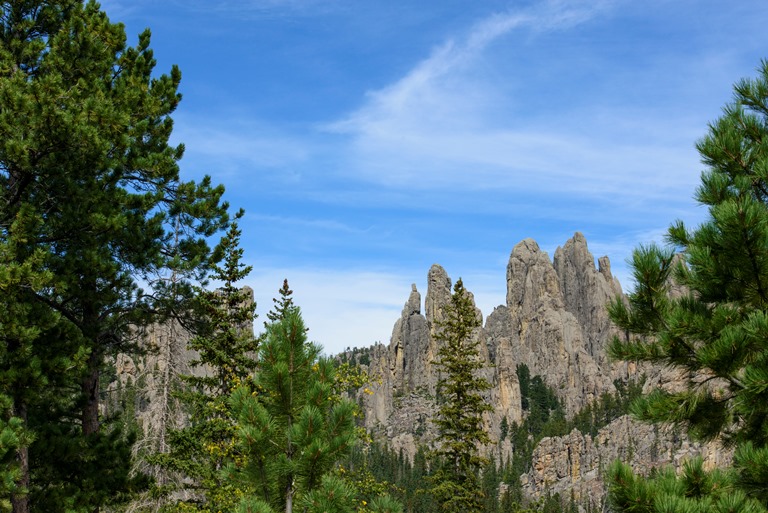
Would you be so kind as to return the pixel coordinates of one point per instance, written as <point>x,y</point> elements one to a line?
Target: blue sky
<point>367,140</point>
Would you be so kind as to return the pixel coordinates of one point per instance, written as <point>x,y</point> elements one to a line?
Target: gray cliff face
<point>151,379</point>
<point>403,400</point>
<point>546,335</point>
<point>411,345</point>
<point>555,322</point>
<point>586,291</point>
<point>575,462</point>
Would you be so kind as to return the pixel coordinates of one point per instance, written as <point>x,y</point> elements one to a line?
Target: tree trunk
<point>20,501</point>
<point>90,389</point>
<point>289,497</point>
<point>90,384</point>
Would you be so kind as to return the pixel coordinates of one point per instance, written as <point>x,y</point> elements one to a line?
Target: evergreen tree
<point>89,190</point>
<point>281,305</point>
<point>459,419</point>
<point>291,430</point>
<point>695,489</point>
<point>715,331</point>
<point>226,348</point>
<point>12,437</point>
<point>226,343</point>
<point>27,368</point>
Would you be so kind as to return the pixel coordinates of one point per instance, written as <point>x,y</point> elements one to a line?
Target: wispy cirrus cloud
<point>445,76</point>
<point>450,122</point>
<point>230,146</point>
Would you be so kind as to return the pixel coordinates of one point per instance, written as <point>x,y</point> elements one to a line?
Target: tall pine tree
<point>90,200</point>
<point>715,332</point>
<point>227,350</point>
<point>459,419</point>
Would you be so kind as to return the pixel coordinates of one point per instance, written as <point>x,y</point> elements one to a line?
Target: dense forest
<point>101,239</point>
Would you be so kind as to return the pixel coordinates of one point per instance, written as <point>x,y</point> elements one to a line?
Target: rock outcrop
<point>586,291</point>
<point>147,383</point>
<point>555,322</point>
<point>575,462</point>
<point>546,336</point>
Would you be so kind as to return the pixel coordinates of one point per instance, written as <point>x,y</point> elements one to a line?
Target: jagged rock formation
<point>586,292</point>
<point>555,322</point>
<point>574,463</point>
<point>542,327</point>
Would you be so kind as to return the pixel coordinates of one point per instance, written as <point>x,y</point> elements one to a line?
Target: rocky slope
<point>555,322</point>
<point>573,464</point>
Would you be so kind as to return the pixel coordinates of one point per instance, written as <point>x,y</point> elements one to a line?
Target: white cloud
<point>447,123</point>
<point>440,89</point>
<point>239,147</point>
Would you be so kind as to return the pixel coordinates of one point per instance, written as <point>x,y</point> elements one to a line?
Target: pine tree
<point>26,366</point>
<point>227,348</point>
<point>291,430</point>
<point>13,436</point>
<point>460,416</point>
<point>715,330</point>
<point>89,187</point>
<point>281,305</point>
<point>226,343</point>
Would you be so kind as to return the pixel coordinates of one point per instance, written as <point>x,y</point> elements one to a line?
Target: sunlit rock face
<point>554,321</point>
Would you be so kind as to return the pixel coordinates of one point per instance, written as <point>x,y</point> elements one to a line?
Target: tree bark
<point>289,497</point>
<point>90,384</point>
<point>90,389</point>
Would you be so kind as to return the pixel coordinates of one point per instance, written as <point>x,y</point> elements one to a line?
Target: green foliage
<point>503,429</point>
<point>694,490</point>
<point>385,504</point>
<point>226,348</point>
<point>608,407</point>
<point>281,305</point>
<point>387,473</point>
<point>356,470</point>
<point>89,480</point>
<point>459,418</point>
<point>357,356</point>
<point>291,431</point>
<point>714,329</point>
<point>225,342</point>
<point>371,493</point>
<point>408,482</point>
<point>90,193</point>
<point>12,437</point>
<point>546,417</point>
